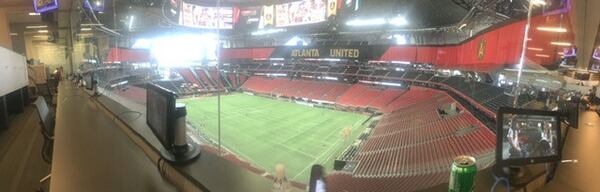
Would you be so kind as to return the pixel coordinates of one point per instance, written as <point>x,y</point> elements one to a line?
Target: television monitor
<point>41,6</point>
<point>203,17</point>
<point>526,136</point>
<point>160,111</point>
<point>317,179</point>
<point>571,111</point>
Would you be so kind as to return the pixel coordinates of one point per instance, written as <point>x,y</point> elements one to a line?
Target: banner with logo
<point>330,52</point>
<point>267,17</point>
<point>331,8</point>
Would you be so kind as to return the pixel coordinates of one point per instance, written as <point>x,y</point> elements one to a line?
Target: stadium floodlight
<point>268,31</point>
<point>560,43</point>
<point>398,21</point>
<point>553,29</point>
<point>401,62</point>
<point>295,40</point>
<point>142,44</point>
<point>534,49</point>
<point>400,39</point>
<point>542,55</point>
<point>366,22</point>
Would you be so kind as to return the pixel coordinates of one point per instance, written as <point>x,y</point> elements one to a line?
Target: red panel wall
<point>128,55</point>
<point>249,53</point>
<point>502,46</point>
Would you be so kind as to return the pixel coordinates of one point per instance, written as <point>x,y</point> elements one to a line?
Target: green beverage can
<point>462,174</point>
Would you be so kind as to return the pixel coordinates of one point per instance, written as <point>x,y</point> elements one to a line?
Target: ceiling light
<point>553,29</point>
<point>35,26</point>
<point>560,43</point>
<point>366,22</point>
<point>86,29</point>
<point>462,26</point>
<point>40,36</point>
<point>42,31</point>
<point>33,13</point>
<point>13,34</point>
<point>534,49</point>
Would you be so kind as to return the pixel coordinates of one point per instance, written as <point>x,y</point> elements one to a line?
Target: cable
<point>498,179</point>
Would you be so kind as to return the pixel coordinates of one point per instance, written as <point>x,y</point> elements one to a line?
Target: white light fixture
<point>268,31</point>
<point>542,55</point>
<point>40,36</point>
<point>131,18</point>
<point>534,49</point>
<point>400,39</point>
<point>366,22</point>
<point>42,31</point>
<point>553,29</point>
<point>538,2</point>
<point>35,26</point>
<point>560,43</point>
<point>462,26</point>
<point>33,14</point>
<point>401,62</point>
<point>86,29</point>
<point>13,34</point>
<point>398,21</point>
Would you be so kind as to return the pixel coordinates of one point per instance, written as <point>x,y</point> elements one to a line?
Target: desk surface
<point>92,154</point>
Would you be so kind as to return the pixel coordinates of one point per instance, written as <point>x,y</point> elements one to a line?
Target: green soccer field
<point>267,131</point>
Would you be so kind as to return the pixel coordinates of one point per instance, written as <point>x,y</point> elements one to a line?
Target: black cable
<point>498,179</point>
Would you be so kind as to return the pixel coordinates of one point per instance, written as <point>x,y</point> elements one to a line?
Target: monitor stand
<point>181,155</point>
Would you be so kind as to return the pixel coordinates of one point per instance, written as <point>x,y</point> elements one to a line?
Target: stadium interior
<point>299,95</point>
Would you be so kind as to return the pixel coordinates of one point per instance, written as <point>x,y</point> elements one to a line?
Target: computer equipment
<point>527,137</point>
<point>160,111</point>
<point>166,119</point>
<point>317,179</point>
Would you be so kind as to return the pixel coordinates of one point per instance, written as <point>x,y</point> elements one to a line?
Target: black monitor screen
<point>527,137</point>
<point>159,109</point>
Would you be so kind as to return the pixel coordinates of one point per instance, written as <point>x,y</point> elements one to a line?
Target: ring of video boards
<point>300,12</point>
<point>527,136</point>
<point>206,17</point>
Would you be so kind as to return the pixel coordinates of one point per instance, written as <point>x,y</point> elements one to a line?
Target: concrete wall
<point>5,40</point>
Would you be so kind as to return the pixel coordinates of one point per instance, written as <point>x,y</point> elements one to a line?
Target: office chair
<point>47,123</point>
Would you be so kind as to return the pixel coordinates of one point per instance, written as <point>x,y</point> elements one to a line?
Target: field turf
<point>267,131</point>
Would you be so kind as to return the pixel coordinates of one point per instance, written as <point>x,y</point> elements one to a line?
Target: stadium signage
<point>305,53</point>
<point>350,53</point>
<point>344,53</point>
<point>358,52</point>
